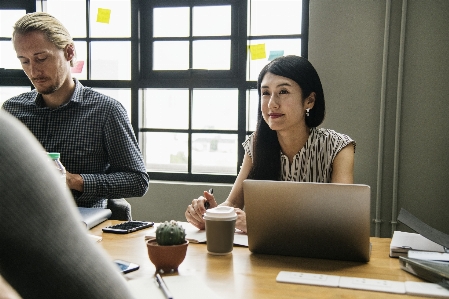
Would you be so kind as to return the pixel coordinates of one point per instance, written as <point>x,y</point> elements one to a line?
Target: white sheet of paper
<point>428,255</point>
<point>180,286</point>
<point>195,235</point>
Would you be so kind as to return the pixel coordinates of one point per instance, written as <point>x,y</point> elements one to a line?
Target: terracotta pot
<point>166,258</point>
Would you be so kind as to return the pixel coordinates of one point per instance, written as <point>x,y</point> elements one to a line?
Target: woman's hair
<point>47,24</point>
<point>266,148</point>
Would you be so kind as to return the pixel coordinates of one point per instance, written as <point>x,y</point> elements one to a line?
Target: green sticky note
<point>257,51</point>
<point>103,15</point>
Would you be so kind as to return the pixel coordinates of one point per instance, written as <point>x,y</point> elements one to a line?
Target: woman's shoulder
<point>248,144</point>
<point>329,133</point>
<point>333,137</point>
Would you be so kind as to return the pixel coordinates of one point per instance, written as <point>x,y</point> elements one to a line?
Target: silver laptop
<point>317,220</point>
<point>94,216</point>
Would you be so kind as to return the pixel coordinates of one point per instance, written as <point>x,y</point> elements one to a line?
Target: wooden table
<point>246,275</point>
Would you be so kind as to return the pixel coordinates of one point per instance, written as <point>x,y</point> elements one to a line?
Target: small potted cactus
<point>169,248</point>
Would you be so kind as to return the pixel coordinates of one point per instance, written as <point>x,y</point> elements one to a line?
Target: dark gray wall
<point>401,153</point>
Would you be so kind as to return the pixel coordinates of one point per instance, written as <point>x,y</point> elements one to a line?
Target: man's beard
<point>48,90</point>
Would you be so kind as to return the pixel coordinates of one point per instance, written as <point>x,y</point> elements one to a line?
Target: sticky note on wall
<point>78,67</point>
<point>275,54</point>
<point>257,51</point>
<point>103,15</point>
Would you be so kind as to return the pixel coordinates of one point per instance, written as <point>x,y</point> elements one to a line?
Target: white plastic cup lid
<point>221,213</point>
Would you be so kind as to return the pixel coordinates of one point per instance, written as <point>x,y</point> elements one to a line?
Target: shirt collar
<point>76,96</point>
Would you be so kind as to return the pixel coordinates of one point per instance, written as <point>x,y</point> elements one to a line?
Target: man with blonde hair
<point>90,130</point>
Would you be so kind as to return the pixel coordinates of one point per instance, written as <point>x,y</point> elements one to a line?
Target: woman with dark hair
<point>287,145</point>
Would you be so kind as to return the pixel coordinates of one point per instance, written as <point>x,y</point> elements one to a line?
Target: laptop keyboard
<point>127,227</point>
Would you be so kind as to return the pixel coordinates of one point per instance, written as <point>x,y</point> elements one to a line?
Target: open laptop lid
<point>319,220</point>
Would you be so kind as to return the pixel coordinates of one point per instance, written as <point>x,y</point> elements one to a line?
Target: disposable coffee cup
<point>220,228</point>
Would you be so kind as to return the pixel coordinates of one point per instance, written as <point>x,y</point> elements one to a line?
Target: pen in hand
<point>163,286</point>
<point>207,204</point>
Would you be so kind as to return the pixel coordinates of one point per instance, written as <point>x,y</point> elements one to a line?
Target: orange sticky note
<point>257,51</point>
<point>78,67</point>
<point>103,15</point>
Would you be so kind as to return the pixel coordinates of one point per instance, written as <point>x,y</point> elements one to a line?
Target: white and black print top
<point>313,163</point>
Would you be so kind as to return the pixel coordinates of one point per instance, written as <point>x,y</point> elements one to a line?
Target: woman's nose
<point>273,102</point>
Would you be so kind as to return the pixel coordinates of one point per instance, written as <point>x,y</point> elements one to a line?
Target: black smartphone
<point>125,266</point>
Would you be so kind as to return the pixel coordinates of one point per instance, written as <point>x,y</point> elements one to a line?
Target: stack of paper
<point>425,258</point>
<point>402,242</point>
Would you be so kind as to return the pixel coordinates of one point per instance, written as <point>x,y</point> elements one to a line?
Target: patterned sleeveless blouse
<point>313,163</point>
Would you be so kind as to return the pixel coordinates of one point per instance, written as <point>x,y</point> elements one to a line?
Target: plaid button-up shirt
<point>94,136</point>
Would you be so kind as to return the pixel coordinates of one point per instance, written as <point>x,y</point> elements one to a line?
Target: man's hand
<point>74,181</point>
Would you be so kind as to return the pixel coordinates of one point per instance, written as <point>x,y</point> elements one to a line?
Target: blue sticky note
<point>275,54</point>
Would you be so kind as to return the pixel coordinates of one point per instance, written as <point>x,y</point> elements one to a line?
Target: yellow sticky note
<point>258,51</point>
<point>103,15</point>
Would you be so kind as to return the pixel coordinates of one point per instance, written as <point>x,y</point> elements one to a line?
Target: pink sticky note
<point>78,67</point>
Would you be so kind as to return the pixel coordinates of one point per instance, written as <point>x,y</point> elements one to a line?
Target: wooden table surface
<point>246,275</point>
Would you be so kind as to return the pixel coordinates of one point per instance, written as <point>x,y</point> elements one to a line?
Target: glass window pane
<point>267,17</point>
<point>7,92</point>
<point>273,48</point>
<point>211,20</point>
<point>165,151</point>
<point>122,95</point>
<point>252,109</point>
<point>111,18</point>
<point>212,54</point>
<point>7,20</point>
<point>79,70</point>
<point>215,109</point>
<point>171,55</point>
<point>171,22</point>
<point>166,108</point>
<point>111,61</point>
<point>71,13</point>
<point>8,56</point>
<point>214,153</point>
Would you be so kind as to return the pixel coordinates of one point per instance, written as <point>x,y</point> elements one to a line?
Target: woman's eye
<point>265,93</point>
<point>284,91</point>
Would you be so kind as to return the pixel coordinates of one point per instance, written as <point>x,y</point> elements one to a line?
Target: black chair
<point>120,208</point>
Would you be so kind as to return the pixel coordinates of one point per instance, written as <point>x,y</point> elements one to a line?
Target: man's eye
<point>41,59</point>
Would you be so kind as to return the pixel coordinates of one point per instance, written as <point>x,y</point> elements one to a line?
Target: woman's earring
<point>307,111</point>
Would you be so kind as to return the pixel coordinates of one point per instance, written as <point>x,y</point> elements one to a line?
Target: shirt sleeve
<point>126,176</point>
<point>248,145</point>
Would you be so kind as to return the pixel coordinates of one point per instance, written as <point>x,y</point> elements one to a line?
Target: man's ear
<point>69,52</point>
<point>310,101</point>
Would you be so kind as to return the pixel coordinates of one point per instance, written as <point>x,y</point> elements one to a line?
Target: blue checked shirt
<point>93,134</point>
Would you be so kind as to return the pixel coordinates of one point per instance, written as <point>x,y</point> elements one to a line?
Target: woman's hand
<point>195,211</point>
<point>240,223</point>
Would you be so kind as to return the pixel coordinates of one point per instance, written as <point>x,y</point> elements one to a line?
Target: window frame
<point>141,78</point>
